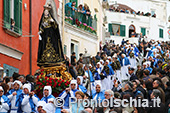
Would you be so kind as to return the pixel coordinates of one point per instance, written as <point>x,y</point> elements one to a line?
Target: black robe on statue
<point>50,51</point>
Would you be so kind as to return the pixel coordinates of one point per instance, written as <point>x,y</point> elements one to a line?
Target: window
<point>13,15</point>
<point>161,33</point>
<point>143,31</point>
<point>9,70</point>
<point>117,30</point>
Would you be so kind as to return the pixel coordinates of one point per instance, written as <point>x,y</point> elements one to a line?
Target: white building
<point>75,38</point>
<point>122,25</point>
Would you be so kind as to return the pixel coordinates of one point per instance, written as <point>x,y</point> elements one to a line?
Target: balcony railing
<point>81,20</point>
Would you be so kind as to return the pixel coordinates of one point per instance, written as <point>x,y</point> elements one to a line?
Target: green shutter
<point>161,33</point>
<point>7,19</point>
<point>122,30</point>
<point>74,1</point>
<point>143,31</point>
<point>110,29</point>
<point>18,16</point>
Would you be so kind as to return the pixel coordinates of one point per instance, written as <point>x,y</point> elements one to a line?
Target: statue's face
<point>46,12</point>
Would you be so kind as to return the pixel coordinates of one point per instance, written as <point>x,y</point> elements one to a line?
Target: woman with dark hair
<point>6,80</point>
<point>5,87</point>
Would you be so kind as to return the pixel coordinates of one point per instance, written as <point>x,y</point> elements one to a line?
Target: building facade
<point>127,19</point>
<point>16,32</point>
<point>79,36</point>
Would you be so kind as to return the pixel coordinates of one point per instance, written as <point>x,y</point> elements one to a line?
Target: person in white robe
<point>102,81</point>
<point>4,102</point>
<point>28,99</point>
<point>132,59</point>
<point>117,72</point>
<point>125,64</point>
<point>13,96</point>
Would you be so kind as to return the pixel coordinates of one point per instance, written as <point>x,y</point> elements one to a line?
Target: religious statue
<point>50,51</point>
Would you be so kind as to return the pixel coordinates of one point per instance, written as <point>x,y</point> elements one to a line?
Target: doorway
<point>74,48</point>
<point>132,31</point>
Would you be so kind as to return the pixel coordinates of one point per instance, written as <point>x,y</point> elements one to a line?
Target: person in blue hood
<point>47,91</point>
<point>98,93</point>
<point>13,96</point>
<point>4,102</point>
<point>125,64</point>
<point>80,86</point>
<point>28,100</point>
<point>109,77</point>
<point>69,92</point>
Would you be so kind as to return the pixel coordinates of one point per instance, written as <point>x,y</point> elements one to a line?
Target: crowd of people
<point>130,11</point>
<point>139,71</point>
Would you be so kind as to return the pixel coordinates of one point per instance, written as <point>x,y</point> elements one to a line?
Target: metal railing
<point>80,19</point>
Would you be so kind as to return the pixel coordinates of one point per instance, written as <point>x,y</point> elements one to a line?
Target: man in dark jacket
<point>156,85</point>
<point>153,105</point>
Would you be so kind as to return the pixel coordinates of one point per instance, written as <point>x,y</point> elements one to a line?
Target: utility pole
<point>30,33</point>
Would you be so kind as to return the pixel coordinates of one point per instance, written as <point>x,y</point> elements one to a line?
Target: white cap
<point>41,103</point>
<point>107,61</point>
<point>98,83</point>
<point>49,108</point>
<point>155,50</point>
<point>98,63</point>
<point>51,99</point>
<point>81,79</point>
<point>114,56</point>
<point>109,57</point>
<point>148,63</point>
<point>157,55</point>
<point>102,62</point>
<point>27,86</point>
<point>90,65</point>
<point>73,82</point>
<point>148,49</point>
<point>18,82</point>
<point>158,47</point>
<point>145,63</point>
<point>49,89</point>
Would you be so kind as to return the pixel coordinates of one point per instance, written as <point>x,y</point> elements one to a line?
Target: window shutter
<point>74,1</point>
<point>122,30</point>
<point>143,31</point>
<point>18,16</point>
<point>76,51</point>
<point>110,29</point>
<point>7,19</point>
<point>161,33</point>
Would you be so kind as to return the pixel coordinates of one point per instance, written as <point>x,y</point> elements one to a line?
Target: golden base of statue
<point>55,72</point>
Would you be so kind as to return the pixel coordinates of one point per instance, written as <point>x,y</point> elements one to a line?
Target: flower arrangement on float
<point>57,84</point>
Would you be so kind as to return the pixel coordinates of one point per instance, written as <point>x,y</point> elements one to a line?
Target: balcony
<point>81,20</point>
